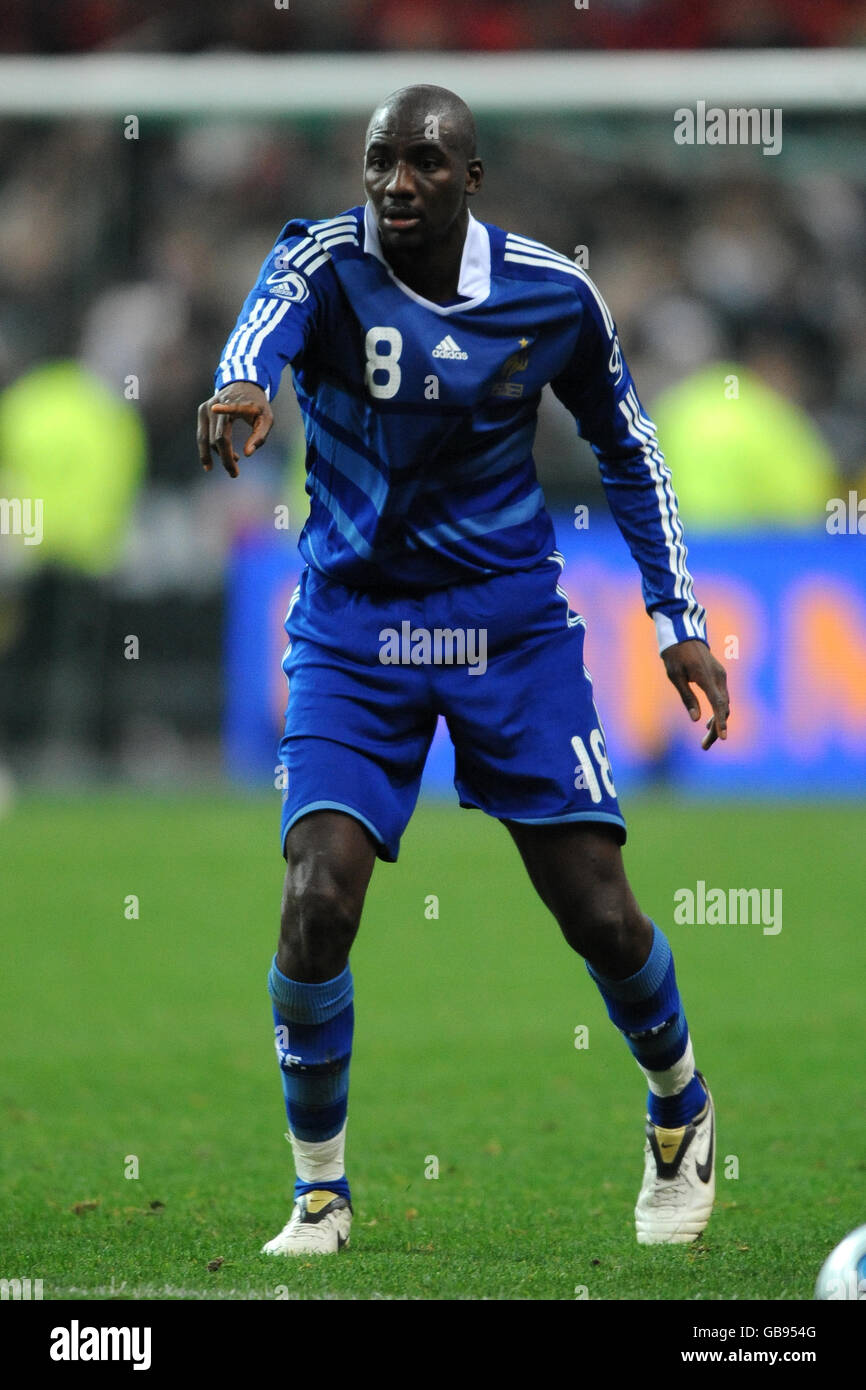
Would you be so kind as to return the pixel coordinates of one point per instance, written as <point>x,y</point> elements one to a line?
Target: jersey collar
<point>474,281</point>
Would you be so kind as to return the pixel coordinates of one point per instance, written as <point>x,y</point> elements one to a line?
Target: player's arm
<point>273,329</point>
<point>597,388</point>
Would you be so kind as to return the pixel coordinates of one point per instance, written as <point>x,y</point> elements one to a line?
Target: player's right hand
<point>242,400</point>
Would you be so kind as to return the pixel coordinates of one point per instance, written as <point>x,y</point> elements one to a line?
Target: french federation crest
<point>517,362</point>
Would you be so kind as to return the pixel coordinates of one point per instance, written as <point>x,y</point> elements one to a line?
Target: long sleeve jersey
<point>420,417</point>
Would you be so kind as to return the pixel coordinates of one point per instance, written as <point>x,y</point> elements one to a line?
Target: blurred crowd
<point>130,259</point>
<point>146,248</point>
<point>76,26</point>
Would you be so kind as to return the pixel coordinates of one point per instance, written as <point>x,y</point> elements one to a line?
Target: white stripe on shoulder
<point>300,257</point>
<point>314,265</point>
<point>334,231</point>
<point>599,299</point>
<point>335,240</point>
<point>518,246</point>
<point>302,252</point>
<point>340,229</point>
<point>346,219</point>
<point>542,261</point>
<point>521,243</point>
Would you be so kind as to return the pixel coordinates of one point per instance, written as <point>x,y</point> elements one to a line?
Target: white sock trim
<point>319,1162</point>
<point>676,1078</point>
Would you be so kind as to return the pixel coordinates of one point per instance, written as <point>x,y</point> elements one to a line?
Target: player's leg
<point>329,861</point>
<point>357,734</point>
<point>531,751</point>
<point>578,872</point>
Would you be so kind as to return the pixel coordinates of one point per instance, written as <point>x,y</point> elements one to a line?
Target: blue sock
<point>647,1009</point>
<point>313,1026</point>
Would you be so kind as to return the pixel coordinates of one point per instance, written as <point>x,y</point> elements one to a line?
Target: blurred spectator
<point>78,450</point>
<point>79,26</point>
<point>741,454</point>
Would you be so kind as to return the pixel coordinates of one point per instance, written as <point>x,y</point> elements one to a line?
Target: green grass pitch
<point>151,1040</point>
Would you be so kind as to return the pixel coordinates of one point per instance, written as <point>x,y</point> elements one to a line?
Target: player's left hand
<point>692,663</point>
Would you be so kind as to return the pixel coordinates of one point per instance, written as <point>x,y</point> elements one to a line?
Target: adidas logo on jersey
<point>448,348</point>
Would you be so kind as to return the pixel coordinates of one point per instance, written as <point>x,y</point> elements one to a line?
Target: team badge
<point>517,362</point>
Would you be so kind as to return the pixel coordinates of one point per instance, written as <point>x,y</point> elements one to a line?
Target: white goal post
<point>526,83</point>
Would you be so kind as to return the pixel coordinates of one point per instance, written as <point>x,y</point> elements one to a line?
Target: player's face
<point>416,184</point>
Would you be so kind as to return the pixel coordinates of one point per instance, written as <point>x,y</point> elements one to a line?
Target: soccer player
<point>419,340</point>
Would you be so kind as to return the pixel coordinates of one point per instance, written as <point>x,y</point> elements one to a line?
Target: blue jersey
<point>420,417</point>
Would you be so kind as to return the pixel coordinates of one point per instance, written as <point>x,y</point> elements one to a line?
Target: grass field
<point>152,1038</point>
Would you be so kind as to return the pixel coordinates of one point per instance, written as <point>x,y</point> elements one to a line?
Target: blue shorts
<point>501,659</point>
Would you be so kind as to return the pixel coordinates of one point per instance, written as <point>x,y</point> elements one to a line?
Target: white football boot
<point>679,1183</point>
<point>319,1225</point>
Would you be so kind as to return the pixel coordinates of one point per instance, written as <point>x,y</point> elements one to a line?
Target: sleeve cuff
<point>252,374</point>
<point>671,629</point>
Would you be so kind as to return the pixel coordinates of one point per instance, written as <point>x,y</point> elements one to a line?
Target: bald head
<point>442,115</point>
<point>420,168</point>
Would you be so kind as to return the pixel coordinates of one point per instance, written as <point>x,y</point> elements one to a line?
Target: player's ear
<point>474,176</point>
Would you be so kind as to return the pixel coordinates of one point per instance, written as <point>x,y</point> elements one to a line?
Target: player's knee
<point>320,914</point>
<point>597,919</point>
<point>608,929</point>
